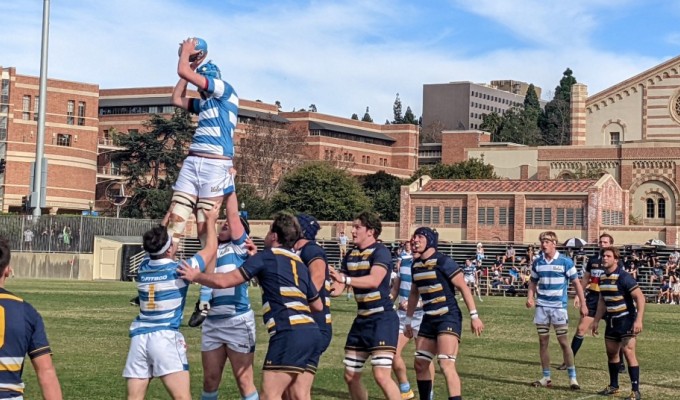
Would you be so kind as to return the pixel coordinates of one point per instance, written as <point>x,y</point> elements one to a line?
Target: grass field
<point>87,325</point>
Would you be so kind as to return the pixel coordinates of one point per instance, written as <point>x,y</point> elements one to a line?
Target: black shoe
<point>134,301</point>
<point>197,317</point>
<point>622,368</point>
<point>608,391</point>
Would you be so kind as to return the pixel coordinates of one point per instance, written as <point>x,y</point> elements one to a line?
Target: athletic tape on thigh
<point>561,330</point>
<point>203,204</point>
<point>355,363</point>
<point>445,357</point>
<point>179,216</point>
<point>543,330</point>
<point>424,355</point>
<point>383,360</point>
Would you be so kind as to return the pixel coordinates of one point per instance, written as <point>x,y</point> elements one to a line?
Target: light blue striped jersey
<point>470,270</point>
<point>162,294</point>
<point>552,279</point>
<point>217,118</point>
<point>405,278</point>
<point>227,303</point>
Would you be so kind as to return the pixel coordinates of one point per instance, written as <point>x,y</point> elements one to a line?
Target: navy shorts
<point>377,332</point>
<point>289,351</point>
<point>325,336</point>
<point>619,328</point>
<point>447,324</point>
<point>592,300</point>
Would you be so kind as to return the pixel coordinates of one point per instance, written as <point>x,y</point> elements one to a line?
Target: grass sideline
<point>87,324</point>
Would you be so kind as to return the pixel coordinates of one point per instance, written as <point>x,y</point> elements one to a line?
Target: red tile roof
<point>508,186</point>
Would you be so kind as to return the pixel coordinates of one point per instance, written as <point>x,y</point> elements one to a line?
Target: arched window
<point>650,208</point>
<point>661,209</point>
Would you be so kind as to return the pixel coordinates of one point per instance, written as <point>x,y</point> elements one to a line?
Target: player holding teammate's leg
<point>436,278</point>
<point>205,177</point>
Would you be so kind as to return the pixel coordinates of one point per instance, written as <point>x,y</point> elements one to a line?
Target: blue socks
<point>404,387</point>
<point>209,395</point>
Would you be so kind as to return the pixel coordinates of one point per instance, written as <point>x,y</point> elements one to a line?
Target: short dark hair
<point>287,229</point>
<point>615,252</point>
<point>370,220</point>
<point>154,239</point>
<point>5,255</point>
<point>611,238</point>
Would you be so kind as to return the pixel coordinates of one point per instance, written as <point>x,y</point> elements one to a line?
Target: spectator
<point>480,255</point>
<point>28,239</point>
<point>675,295</point>
<point>342,240</point>
<point>674,256</point>
<point>509,254</point>
<point>498,266</point>
<point>664,295</point>
<point>657,274</point>
<point>631,267</point>
<point>514,274</point>
<point>66,236</point>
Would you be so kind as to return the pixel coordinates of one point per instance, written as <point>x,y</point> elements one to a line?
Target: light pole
<point>42,104</point>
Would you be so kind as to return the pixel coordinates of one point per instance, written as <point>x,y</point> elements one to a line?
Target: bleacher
<point>461,251</point>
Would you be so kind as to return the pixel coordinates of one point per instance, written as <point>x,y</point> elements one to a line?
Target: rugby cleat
<point>634,395</point>
<point>608,391</point>
<point>408,395</point>
<point>198,316</point>
<point>542,383</point>
<point>134,301</point>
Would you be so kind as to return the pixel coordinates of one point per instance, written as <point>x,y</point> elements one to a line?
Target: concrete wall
<point>52,265</point>
<point>506,161</point>
<point>615,114</point>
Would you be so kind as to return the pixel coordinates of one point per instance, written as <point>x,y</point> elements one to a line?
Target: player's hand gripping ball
<point>200,50</point>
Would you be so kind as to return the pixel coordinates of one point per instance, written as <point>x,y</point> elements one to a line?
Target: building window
<point>70,107</point>
<point>368,159</point>
<point>419,215</point>
<point>63,139</point>
<point>36,107</point>
<point>435,215</point>
<point>485,215</point>
<point>81,113</point>
<point>26,111</point>
<point>661,208</point>
<point>615,138</point>
<point>502,216</point>
<point>650,208</point>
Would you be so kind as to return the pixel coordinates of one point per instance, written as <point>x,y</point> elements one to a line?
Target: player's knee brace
<point>543,330</point>
<point>203,205</point>
<point>354,363</point>
<point>382,360</point>
<point>424,355</point>
<point>443,358</point>
<point>561,331</point>
<point>184,206</point>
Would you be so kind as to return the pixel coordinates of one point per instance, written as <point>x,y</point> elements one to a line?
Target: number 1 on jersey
<point>295,274</point>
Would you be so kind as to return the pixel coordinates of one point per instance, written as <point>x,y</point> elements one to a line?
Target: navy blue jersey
<point>21,332</point>
<point>432,277</point>
<point>287,289</point>
<point>595,268</point>
<point>358,263</point>
<point>309,253</point>
<point>616,289</point>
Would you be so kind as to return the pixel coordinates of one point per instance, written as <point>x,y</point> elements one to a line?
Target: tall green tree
<point>555,121</point>
<point>355,117</point>
<point>383,190</point>
<point>492,123</point>
<point>473,168</point>
<point>409,117</point>
<point>396,108</point>
<point>519,126</point>
<point>151,163</point>
<point>319,189</point>
<point>367,116</point>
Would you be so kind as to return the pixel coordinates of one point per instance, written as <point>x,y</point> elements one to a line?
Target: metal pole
<point>40,140</point>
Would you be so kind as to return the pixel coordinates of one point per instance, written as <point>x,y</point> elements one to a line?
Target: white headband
<point>164,248</point>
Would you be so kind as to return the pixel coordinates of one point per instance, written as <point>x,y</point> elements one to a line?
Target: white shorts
<point>470,279</point>
<point>156,354</point>
<point>676,288</point>
<point>415,322</point>
<point>205,177</point>
<point>551,316</point>
<point>237,333</point>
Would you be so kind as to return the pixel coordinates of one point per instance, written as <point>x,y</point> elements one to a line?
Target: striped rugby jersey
<point>162,294</point>
<point>552,279</point>
<point>616,289</point>
<point>309,253</point>
<point>23,333</point>
<point>217,118</point>
<point>433,278</point>
<point>596,270</point>
<point>470,270</point>
<point>286,289</point>
<point>358,263</point>
<point>405,278</point>
<point>230,302</point>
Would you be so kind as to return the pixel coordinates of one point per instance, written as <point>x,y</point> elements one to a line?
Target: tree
<point>321,190</point>
<point>409,118</point>
<point>432,133</point>
<point>367,116</point>
<point>266,151</point>
<point>396,108</point>
<point>312,107</point>
<point>152,163</point>
<point>474,168</point>
<point>257,206</point>
<point>278,105</point>
<point>492,123</point>
<point>355,117</point>
<point>555,121</point>
<point>384,191</point>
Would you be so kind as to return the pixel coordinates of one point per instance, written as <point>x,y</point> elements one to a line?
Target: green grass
<point>87,324</point>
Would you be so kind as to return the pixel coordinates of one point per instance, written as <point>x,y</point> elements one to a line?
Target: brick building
<point>71,126</point>
<point>512,210</point>
<point>630,131</point>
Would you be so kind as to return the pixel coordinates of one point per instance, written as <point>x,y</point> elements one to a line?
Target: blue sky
<point>345,55</point>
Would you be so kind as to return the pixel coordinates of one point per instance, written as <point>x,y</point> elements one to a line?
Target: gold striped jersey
<point>309,253</point>
<point>616,289</point>
<point>358,263</point>
<point>432,277</point>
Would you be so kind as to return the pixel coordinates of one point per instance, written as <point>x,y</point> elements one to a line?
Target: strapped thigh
<point>543,329</point>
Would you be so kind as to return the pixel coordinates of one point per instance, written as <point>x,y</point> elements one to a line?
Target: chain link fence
<point>66,234</point>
